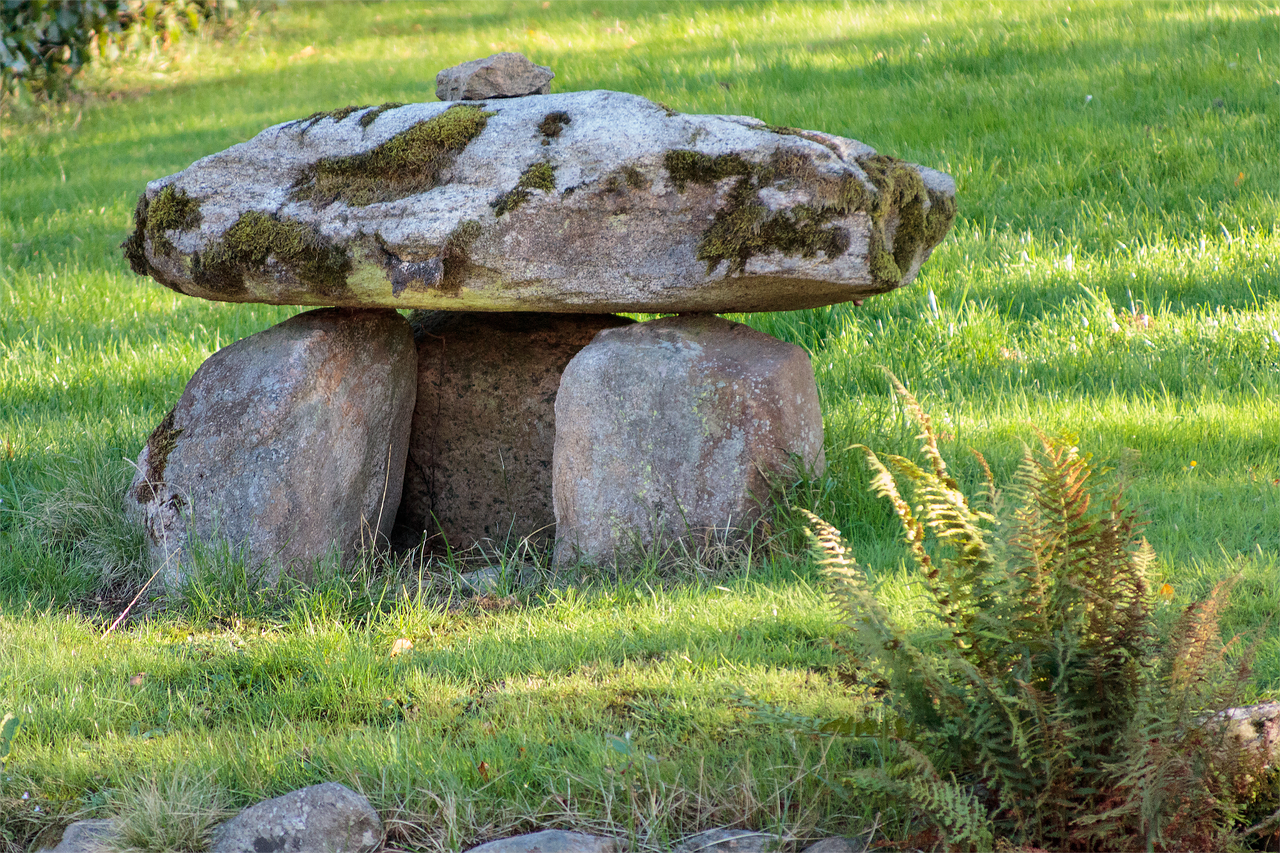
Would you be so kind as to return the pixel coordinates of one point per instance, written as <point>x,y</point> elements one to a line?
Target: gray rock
<point>328,818</point>
<point>484,426</point>
<point>503,75</point>
<point>670,429</point>
<point>553,841</point>
<point>729,841</point>
<point>587,202</point>
<point>86,836</point>
<point>289,444</point>
<point>1256,728</point>
<point>835,845</point>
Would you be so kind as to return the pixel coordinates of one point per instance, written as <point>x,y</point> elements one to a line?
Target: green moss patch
<point>337,115</point>
<point>372,115</point>
<point>170,210</point>
<point>745,227</point>
<point>694,167</point>
<point>161,442</point>
<point>408,163</point>
<point>134,246</point>
<point>552,124</point>
<point>539,176</point>
<point>257,236</point>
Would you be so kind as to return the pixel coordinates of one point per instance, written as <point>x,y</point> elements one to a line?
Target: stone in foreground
<point>484,426</point>
<point>553,841</point>
<point>88,836</point>
<point>328,818</point>
<point>729,841</point>
<point>670,430</point>
<point>503,75</point>
<point>590,202</point>
<point>288,445</point>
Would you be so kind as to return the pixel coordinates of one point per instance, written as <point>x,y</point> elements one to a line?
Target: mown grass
<point>1114,272</point>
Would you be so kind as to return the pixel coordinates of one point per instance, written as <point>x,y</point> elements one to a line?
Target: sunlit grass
<point>1114,273</point>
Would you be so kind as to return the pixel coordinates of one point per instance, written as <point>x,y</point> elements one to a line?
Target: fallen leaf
<point>136,680</point>
<point>483,768</point>
<point>401,646</point>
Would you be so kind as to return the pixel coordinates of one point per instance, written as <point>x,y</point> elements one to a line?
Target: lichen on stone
<point>406,164</point>
<point>257,236</point>
<point>161,442</point>
<point>539,176</point>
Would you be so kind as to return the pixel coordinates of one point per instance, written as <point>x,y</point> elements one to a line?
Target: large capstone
<point>677,429</point>
<point>484,426</point>
<point>589,202</point>
<point>286,447</point>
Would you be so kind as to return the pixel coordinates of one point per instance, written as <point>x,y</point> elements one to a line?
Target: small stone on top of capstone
<point>503,75</point>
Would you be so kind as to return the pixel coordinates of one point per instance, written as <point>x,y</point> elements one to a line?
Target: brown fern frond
<point>928,439</point>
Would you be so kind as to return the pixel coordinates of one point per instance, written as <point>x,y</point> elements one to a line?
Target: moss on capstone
<point>170,210</point>
<point>456,254</point>
<point>255,237</point>
<point>693,167</point>
<point>372,115</point>
<point>552,124</point>
<point>539,176</point>
<point>406,164</point>
<point>337,115</point>
<point>744,227</point>
<point>134,245</point>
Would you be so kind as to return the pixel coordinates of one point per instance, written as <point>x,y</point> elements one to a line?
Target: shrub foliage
<point>44,43</point>
<point>1041,692</point>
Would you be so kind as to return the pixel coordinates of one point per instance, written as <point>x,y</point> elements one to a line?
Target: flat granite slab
<point>579,202</point>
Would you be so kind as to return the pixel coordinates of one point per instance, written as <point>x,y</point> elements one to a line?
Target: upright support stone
<point>484,425</point>
<point>671,429</point>
<point>288,445</point>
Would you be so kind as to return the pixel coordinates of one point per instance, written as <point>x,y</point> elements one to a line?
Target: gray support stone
<point>670,429</point>
<point>288,445</point>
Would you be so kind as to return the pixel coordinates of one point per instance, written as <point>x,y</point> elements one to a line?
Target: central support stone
<point>671,430</point>
<point>484,425</point>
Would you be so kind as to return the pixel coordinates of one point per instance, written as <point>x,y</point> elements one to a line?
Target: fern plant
<point>1041,692</point>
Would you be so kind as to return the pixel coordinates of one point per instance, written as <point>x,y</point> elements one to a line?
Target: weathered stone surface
<point>503,75</point>
<point>553,841</point>
<point>577,202</point>
<point>729,841</point>
<point>484,426</point>
<point>328,818</point>
<point>1256,728</point>
<point>87,836</point>
<point>290,444</point>
<point>668,429</point>
<point>836,845</point>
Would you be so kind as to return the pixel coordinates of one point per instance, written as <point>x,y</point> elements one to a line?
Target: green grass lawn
<point>1113,273</point>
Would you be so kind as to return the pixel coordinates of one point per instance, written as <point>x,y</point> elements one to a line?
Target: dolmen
<point>513,403</point>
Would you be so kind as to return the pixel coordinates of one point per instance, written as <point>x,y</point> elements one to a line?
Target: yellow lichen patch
<point>409,162</point>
